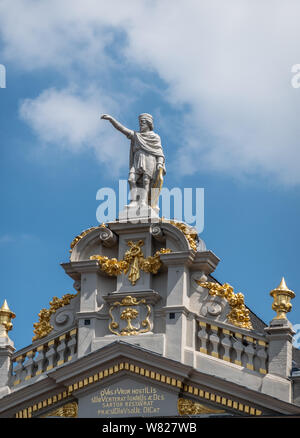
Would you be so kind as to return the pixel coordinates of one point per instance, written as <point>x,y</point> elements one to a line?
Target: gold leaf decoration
<point>189,232</point>
<point>69,410</point>
<point>132,262</point>
<point>82,234</point>
<point>189,407</point>
<point>112,266</point>
<point>6,315</point>
<point>43,327</point>
<point>128,314</point>
<point>239,315</point>
<point>282,296</point>
<point>134,259</point>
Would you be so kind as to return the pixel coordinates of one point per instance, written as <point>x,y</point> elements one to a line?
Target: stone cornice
<point>151,296</point>
<point>24,395</point>
<point>127,227</point>
<point>176,309</point>
<point>243,393</point>
<point>7,350</point>
<point>178,258</point>
<point>81,266</point>
<point>205,261</point>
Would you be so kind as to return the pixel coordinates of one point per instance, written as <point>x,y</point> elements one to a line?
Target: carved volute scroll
<point>44,326</point>
<point>239,315</point>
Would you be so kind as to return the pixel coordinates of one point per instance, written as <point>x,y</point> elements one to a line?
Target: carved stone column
<point>280,332</point>
<point>280,336</point>
<point>88,273</point>
<point>176,309</point>
<point>6,348</point>
<point>6,351</point>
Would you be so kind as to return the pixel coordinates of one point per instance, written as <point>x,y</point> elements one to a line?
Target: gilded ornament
<point>6,315</point>
<point>189,407</point>
<point>112,266</point>
<point>132,262</point>
<point>156,189</point>
<point>82,234</point>
<point>189,232</point>
<point>69,410</point>
<point>134,259</point>
<point>128,314</point>
<point>239,315</point>
<point>282,296</point>
<point>43,327</point>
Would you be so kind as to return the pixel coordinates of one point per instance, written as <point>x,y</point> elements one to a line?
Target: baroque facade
<point>149,331</point>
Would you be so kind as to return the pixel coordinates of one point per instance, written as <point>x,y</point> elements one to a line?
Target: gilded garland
<point>43,327</point>
<point>133,261</point>
<point>239,314</point>
<point>189,232</point>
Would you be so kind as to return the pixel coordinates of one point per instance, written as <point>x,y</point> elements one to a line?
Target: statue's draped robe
<point>145,153</point>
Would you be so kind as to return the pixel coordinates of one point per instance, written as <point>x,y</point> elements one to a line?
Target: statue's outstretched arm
<point>118,125</point>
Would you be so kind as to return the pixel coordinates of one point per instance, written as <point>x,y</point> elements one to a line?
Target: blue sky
<point>217,79</point>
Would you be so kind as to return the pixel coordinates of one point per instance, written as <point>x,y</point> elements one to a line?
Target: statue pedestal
<point>139,213</point>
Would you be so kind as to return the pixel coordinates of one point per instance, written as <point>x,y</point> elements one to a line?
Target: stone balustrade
<point>234,346</point>
<point>33,361</point>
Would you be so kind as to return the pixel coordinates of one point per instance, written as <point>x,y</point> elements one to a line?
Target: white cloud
<point>229,61</point>
<point>8,239</point>
<point>54,33</point>
<point>72,120</point>
<point>62,116</point>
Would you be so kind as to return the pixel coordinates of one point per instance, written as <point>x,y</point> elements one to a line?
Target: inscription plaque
<point>128,398</point>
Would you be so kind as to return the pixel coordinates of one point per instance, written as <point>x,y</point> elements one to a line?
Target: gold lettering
<point>127,401</point>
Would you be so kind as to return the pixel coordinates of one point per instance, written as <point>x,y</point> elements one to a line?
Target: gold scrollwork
<point>186,406</point>
<point>43,327</point>
<point>69,410</point>
<point>132,262</point>
<point>82,234</point>
<point>129,314</point>
<point>239,315</point>
<point>189,232</point>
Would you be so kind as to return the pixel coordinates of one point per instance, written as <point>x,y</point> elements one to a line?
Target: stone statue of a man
<point>146,161</point>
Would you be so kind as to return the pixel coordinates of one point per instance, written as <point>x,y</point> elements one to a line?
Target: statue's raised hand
<point>117,125</point>
<point>106,117</point>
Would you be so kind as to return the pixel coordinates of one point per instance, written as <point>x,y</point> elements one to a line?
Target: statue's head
<point>146,122</point>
